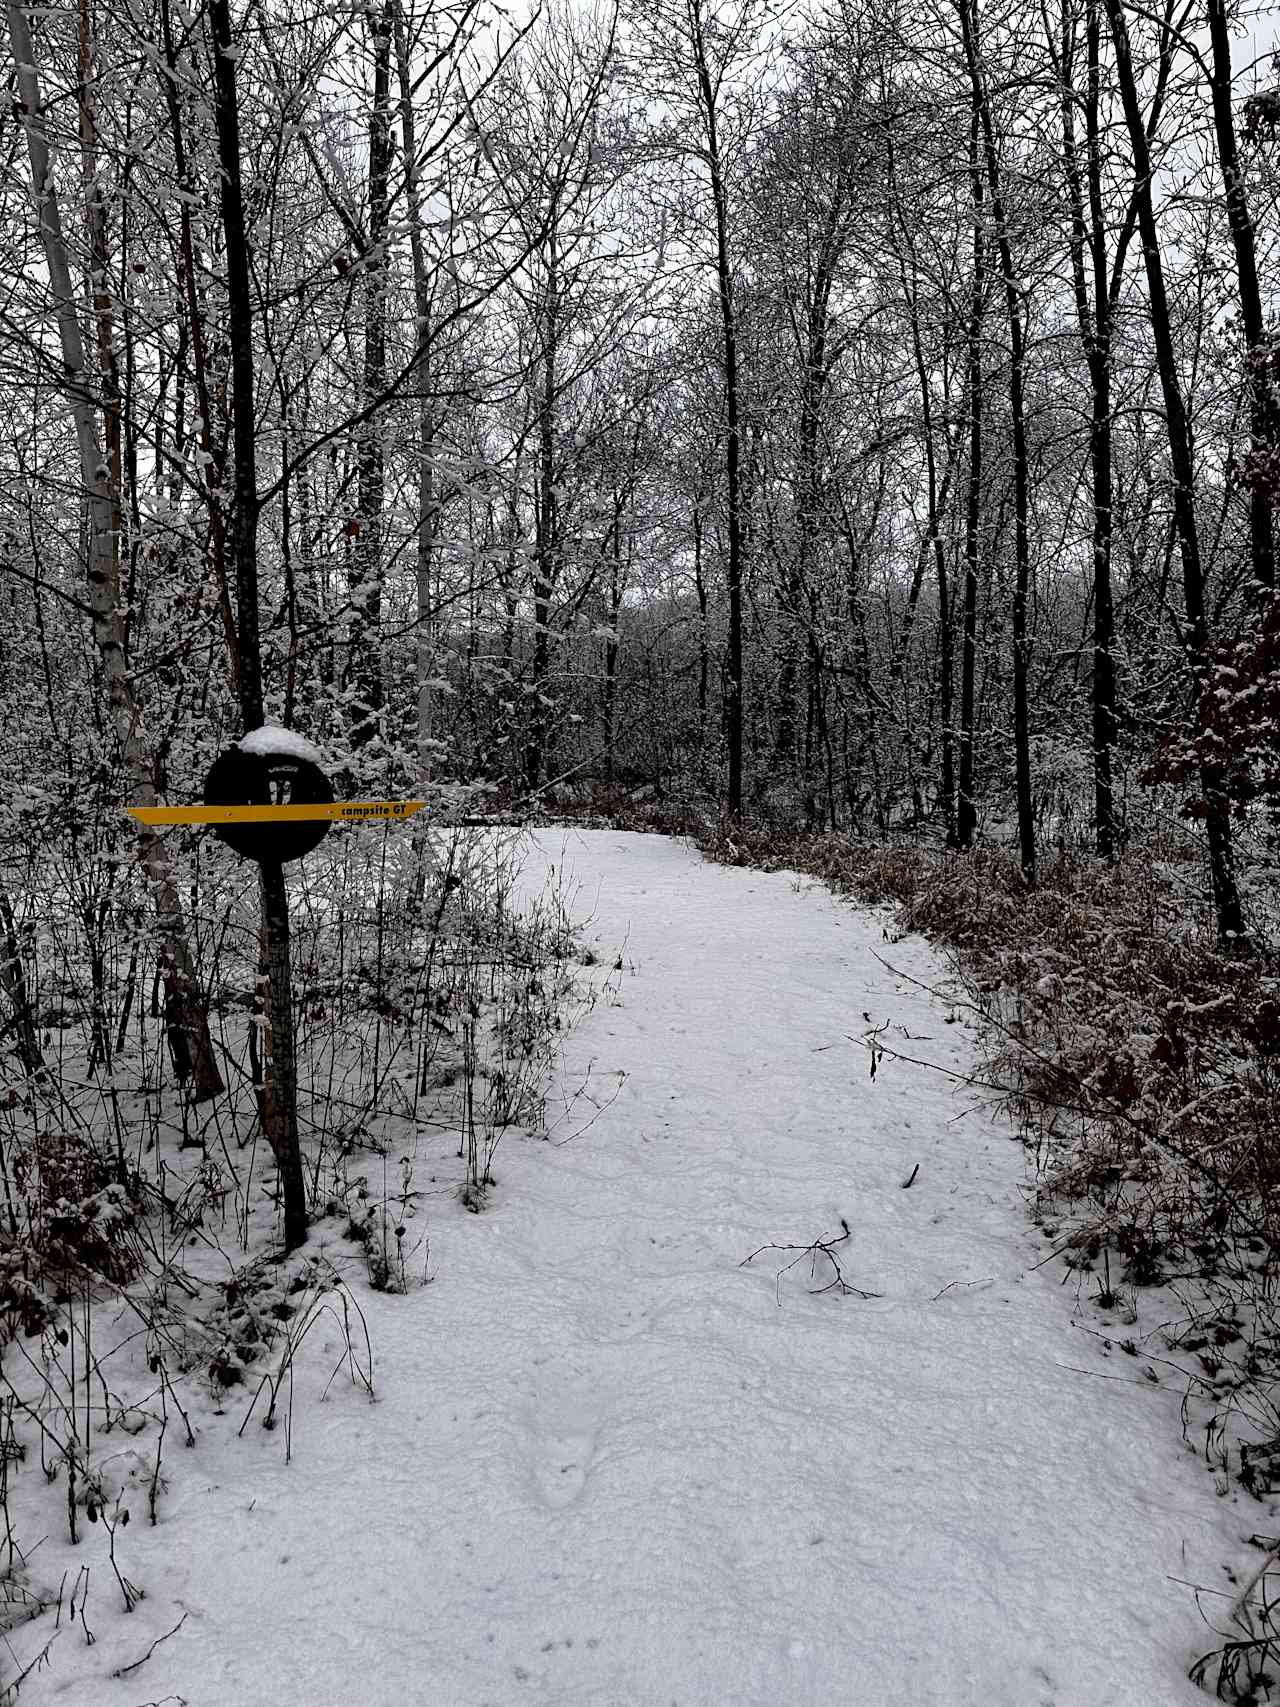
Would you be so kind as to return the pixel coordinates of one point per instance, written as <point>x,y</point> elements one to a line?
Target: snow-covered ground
<point>610,1466</point>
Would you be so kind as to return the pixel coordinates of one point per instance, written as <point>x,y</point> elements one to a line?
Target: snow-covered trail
<point>610,1469</point>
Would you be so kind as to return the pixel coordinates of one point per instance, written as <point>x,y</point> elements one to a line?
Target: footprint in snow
<point>563,1429</point>
<point>563,1465</point>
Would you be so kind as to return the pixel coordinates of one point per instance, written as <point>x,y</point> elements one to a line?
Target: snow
<point>610,1466</point>
<point>272,741</point>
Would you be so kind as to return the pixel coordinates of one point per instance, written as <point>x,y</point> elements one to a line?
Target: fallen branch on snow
<point>820,1247</point>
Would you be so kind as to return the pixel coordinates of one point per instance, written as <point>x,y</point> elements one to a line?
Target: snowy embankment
<point>610,1465</point>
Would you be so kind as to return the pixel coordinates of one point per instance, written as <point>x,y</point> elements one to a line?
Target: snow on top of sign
<point>273,742</point>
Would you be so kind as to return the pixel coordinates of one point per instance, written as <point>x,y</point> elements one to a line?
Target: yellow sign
<point>157,816</point>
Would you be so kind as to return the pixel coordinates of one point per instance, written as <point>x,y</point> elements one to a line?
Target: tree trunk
<point>366,587</point>
<point>1104,668</point>
<point>733,447</point>
<point>812,391</point>
<point>1226,894</point>
<point>1262,417</point>
<point>611,646</point>
<point>933,541</point>
<point>13,981</point>
<point>546,542</point>
<point>1096,318</point>
<point>280,1100</point>
<point>966,805</point>
<point>185,1007</point>
<point>946,688</point>
<point>425,649</point>
<point>244,507</point>
<point>193,329</point>
<point>1021,476</point>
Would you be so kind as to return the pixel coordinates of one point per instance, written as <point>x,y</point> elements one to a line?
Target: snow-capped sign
<point>270,801</point>
<point>272,741</point>
<point>269,767</point>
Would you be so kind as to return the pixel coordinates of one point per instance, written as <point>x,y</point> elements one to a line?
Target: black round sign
<point>237,778</point>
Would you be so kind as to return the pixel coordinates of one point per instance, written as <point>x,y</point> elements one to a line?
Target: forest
<point>860,418</point>
<point>843,432</point>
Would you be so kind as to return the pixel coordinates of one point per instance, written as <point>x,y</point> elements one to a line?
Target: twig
<point>824,1247</point>
<point>11,1690</point>
<point>879,1049</point>
<point>123,1671</point>
<point>1219,1593</point>
<point>1101,1375</point>
<point>987,1280</point>
<point>600,1107</point>
<point>1238,1604</point>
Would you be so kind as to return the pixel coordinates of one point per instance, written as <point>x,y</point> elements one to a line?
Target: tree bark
<point>611,645</point>
<point>937,494</point>
<point>704,642</point>
<point>1094,317</point>
<point>244,508</point>
<point>279,1094</point>
<point>814,352</point>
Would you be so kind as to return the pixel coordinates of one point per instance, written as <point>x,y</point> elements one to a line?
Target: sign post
<point>269,800</point>
<point>337,811</point>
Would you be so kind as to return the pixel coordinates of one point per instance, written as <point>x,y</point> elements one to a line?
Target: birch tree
<point>91,407</point>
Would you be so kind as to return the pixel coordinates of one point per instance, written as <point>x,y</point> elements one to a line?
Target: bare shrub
<point>80,1214</point>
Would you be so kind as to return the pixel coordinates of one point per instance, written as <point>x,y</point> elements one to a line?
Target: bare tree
<point>280,1093</point>
<point>696,52</point>
<point>1257,346</point>
<point>97,442</point>
<point>969,26</point>
<point>1226,894</point>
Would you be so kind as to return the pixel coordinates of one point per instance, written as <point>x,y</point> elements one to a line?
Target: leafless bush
<point>79,1213</point>
<point>423,998</point>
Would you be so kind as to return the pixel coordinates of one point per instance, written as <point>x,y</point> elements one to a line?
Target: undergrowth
<point>142,1293</point>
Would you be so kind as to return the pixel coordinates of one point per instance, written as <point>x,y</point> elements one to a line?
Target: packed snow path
<point>611,1467</point>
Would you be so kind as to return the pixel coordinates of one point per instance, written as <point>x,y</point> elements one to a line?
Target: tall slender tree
<point>975,395</point>
<point>696,51</point>
<point>1213,805</point>
<point>1258,350</point>
<point>969,27</point>
<point>280,1092</point>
